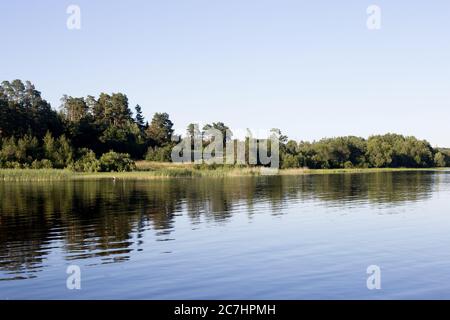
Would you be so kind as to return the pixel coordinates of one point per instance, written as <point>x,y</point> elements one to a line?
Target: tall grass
<point>300,171</point>
<point>172,172</point>
<point>34,174</point>
<point>151,171</point>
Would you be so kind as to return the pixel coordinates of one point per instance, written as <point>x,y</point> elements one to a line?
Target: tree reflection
<point>107,220</point>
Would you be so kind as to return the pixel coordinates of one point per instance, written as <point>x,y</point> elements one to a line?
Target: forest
<point>95,134</point>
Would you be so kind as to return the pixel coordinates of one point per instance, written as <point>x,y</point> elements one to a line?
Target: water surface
<point>228,238</point>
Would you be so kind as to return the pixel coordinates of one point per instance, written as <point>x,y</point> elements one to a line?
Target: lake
<point>269,237</point>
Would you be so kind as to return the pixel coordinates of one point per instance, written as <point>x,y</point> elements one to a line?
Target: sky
<point>311,68</point>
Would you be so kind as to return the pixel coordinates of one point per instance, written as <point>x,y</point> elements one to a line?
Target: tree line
<point>103,134</point>
<point>378,151</point>
<point>86,134</point>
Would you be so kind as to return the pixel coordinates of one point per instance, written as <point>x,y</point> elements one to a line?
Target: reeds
<point>34,174</point>
<point>155,170</point>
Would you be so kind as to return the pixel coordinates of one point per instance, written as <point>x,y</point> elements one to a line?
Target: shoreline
<point>161,171</point>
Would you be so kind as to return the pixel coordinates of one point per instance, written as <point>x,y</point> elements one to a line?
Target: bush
<point>440,160</point>
<point>13,165</point>
<point>58,151</point>
<point>161,154</point>
<point>87,162</point>
<point>36,164</point>
<point>348,165</point>
<point>8,151</point>
<point>22,151</point>
<point>42,164</point>
<point>206,166</point>
<point>289,161</point>
<point>113,161</point>
<point>46,164</point>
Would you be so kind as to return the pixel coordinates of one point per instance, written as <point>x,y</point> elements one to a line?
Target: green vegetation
<point>157,171</point>
<point>87,134</point>
<point>381,151</point>
<point>91,134</point>
<point>35,174</point>
<point>112,161</point>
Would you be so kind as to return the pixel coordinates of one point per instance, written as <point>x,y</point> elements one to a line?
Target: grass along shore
<point>146,170</point>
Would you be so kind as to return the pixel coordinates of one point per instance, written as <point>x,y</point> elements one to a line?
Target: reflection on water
<point>107,222</point>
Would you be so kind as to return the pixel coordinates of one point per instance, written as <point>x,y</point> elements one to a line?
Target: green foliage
<point>74,109</point>
<point>348,165</point>
<point>59,151</point>
<point>42,164</point>
<point>393,150</point>
<point>440,159</point>
<point>118,162</point>
<point>23,111</point>
<point>379,152</point>
<point>8,151</point>
<point>290,161</point>
<point>139,118</point>
<point>104,124</point>
<point>27,149</point>
<point>162,154</point>
<point>42,174</point>
<point>160,130</point>
<point>21,151</point>
<point>382,151</point>
<point>87,162</point>
<point>33,135</point>
<point>291,147</point>
<point>219,126</point>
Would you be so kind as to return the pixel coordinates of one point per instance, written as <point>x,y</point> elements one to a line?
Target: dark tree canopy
<point>160,129</point>
<point>25,112</point>
<point>32,134</point>
<point>381,151</point>
<point>139,118</point>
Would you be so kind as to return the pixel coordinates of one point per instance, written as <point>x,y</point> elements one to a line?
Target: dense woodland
<point>103,134</point>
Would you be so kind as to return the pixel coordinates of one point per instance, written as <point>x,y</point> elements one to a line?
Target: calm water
<point>235,238</point>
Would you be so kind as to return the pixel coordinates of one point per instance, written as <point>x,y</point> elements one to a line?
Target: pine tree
<point>140,121</point>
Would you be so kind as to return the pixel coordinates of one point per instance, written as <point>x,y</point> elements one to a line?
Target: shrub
<point>289,161</point>
<point>27,149</point>
<point>8,151</point>
<point>22,151</point>
<point>161,154</point>
<point>46,164</point>
<point>113,161</point>
<point>41,164</point>
<point>13,165</point>
<point>348,165</point>
<point>87,162</point>
<point>440,160</point>
<point>58,151</point>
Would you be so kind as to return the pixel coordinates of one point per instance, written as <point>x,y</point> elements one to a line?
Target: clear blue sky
<point>311,68</point>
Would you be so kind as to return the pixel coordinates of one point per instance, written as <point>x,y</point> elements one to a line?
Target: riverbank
<point>156,170</point>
